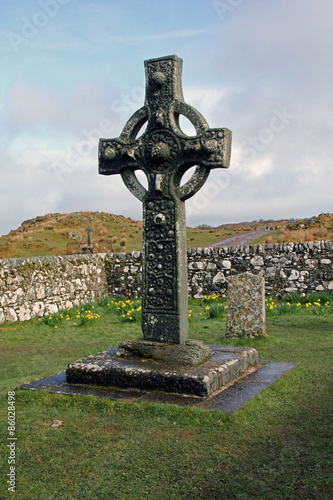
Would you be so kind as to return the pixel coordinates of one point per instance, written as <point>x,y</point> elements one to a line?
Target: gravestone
<point>88,249</point>
<point>89,231</point>
<point>164,153</point>
<point>165,359</point>
<point>246,314</point>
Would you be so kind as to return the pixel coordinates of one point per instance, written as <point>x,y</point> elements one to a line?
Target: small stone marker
<point>246,314</point>
<point>88,249</point>
<point>89,231</point>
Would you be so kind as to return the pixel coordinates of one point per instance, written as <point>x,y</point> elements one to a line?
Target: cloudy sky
<point>72,71</point>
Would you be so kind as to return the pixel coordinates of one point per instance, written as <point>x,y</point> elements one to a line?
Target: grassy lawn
<point>277,446</point>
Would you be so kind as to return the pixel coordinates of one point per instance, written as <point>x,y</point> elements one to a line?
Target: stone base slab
<point>193,352</point>
<point>223,366</point>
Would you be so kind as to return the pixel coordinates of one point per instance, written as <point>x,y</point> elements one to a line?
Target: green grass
<point>277,446</point>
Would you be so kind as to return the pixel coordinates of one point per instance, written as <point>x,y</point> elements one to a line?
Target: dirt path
<point>240,239</point>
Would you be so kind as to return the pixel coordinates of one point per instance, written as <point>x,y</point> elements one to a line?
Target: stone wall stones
<point>42,285</point>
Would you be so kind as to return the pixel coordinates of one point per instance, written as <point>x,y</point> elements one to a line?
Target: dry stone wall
<point>286,267</point>
<point>42,285</point>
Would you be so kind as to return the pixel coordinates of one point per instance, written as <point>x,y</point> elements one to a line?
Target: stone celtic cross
<point>89,231</point>
<point>164,153</point>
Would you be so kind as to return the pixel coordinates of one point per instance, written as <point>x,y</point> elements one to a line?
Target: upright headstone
<point>246,314</point>
<point>164,153</point>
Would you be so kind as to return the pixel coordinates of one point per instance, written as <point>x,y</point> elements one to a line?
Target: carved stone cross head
<point>164,153</point>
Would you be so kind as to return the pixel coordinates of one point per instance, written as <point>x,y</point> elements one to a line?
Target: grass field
<point>277,446</point>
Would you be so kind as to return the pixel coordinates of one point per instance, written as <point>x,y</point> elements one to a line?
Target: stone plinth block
<point>224,365</point>
<point>192,352</point>
<point>246,315</point>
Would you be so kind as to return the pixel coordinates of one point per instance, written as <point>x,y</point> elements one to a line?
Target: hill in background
<point>62,234</point>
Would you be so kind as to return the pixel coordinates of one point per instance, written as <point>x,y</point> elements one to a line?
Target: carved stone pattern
<point>161,253</point>
<point>167,157</point>
<point>162,95</point>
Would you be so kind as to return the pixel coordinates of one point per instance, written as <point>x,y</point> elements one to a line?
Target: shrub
<point>293,297</point>
<point>129,310</point>
<point>215,311</point>
<point>319,296</point>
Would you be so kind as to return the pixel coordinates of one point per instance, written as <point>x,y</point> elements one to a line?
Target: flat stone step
<point>225,364</point>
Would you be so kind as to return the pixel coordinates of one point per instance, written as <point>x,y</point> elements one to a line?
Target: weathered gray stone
<point>219,278</point>
<point>270,272</point>
<point>226,264</point>
<point>11,315</point>
<point>24,313</point>
<point>192,352</point>
<point>257,261</point>
<point>294,275</point>
<point>246,306</point>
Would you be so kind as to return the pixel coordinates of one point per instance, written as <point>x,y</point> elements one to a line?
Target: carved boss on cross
<point>164,153</point>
